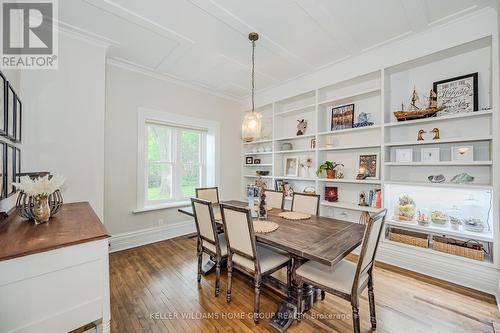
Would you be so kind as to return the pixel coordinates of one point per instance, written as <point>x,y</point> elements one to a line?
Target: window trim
<point>212,138</point>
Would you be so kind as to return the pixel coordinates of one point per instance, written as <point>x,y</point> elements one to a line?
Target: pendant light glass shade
<point>252,126</point>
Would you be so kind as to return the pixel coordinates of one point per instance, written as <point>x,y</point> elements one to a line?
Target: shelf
<point>257,142</point>
<point>349,130</point>
<point>350,96</point>
<point>351,181</point>
<point>450,185</point>
<point>451,140</point>
<point>296,137</point>
<point>261,153</point>
<point>255,176</point>
<point>257,165</point>
<point>295,110</point>
<point>294,151</point>
<point>351,206</point>
<point>447,231</point>
<point>309,179</point>
<point>351,147</point>
<point>443,118</point>
<point>441,163</point>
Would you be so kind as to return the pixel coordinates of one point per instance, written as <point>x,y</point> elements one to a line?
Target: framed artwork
<point>18,121</point>
<point>291,166</point>
<point>369,165</point>
<point>3,104</point>
<point>11,112</point>
<point>404,155</point>
<point>280,184</point>
<point>458,94</point>
<point>249,160</point>
<point>342,117</point>
<point>3,178</point>
<point>256,161</point>
<point>17,166</point>
<point>10,173</point>
<point>313,143</point>
<point>462,153</point>
<point>430,155</point>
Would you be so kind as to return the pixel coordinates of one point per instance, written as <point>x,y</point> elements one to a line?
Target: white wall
<point>63,120</point>
<point>126,91</point>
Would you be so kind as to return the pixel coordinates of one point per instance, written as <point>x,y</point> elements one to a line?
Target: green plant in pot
<point>329,167</point>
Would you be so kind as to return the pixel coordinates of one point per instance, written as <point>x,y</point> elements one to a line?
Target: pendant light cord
<point>253,76</point>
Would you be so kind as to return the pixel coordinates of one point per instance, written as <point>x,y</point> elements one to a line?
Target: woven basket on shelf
<point>469,249</point>
<point>409,237</point>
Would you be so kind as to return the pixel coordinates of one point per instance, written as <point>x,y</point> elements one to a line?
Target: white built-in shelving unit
<point>379,93</point>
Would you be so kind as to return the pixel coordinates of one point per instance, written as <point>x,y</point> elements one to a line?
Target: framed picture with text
<point>458,94</point>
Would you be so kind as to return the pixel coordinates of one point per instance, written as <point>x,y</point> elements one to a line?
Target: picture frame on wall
<point>3,178</point>
<point>11,114</point>
<point>342,117</point>
<point>462,153</point>
<point>18,119</point>
<point>369,165</point>
<point>17,166</point>
<point>249,160</point>
<point>458,94</point>
<point>291,166</point>
<point>10,173</point>
<point>3,104</point>
<point>430,155</point>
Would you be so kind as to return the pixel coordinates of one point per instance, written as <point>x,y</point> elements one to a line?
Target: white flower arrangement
<point>40,187</point>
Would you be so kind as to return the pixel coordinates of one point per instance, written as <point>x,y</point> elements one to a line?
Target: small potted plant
<point>329,167</point>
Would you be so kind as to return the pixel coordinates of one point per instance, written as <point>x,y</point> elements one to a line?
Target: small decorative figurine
<point>462,178</point>
<point>419,136</point>
<point>362,199</point>
<point>435,131</point>
<point>301,127</point>
<point>437,179</point>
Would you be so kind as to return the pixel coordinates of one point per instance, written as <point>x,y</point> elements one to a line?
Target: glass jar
<point>439,218</point>
<point>472,213</point>
<point>424,217</point>
<point>404,210</point>
<point>455,216</point>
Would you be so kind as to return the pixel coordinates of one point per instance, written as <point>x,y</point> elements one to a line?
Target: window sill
<point>162,206</point>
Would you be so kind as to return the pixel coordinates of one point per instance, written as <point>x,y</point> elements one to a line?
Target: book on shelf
<point>375,198</point>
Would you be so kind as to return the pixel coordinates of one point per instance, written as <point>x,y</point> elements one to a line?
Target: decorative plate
<point>295,216</point>
<point>264,227</point>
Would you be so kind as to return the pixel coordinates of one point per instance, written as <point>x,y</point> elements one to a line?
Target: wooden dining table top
<point>321,239</point>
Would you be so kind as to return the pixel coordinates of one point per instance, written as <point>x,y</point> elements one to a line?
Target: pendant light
<point>252,121</point>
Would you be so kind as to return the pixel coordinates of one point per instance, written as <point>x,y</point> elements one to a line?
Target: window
<point>175,158</point>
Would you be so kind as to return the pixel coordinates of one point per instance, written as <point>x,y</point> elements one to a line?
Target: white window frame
<point>212,150</point>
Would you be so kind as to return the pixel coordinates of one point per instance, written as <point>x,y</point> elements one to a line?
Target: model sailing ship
<point>414,112</point>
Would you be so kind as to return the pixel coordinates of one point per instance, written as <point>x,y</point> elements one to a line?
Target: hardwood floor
<point>153,289</point>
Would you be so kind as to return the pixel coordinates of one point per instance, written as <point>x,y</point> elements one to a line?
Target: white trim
<point>85,35</point>
<point>137,238</point>
<point>212,136</point>
<point>162,206</point>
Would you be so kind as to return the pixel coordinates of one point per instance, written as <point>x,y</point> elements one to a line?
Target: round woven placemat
<point>264,227</point>
<point>295,216</point>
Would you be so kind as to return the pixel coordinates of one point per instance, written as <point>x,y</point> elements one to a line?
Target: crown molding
<point>85,35</point>
<point>127,65</point>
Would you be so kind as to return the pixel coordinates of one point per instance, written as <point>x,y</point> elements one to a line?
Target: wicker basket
<point>469,249</point>
<point>409,237</point>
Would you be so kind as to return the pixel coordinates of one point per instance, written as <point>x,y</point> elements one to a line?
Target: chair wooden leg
<point>217,277</point>
<point>289,278</point>
<point>229,278</point>
<point>323,295</point>
<point>371,300</point>
<point>257,299</point>
<point>355,319</point>
<point>300,292</point>
<point>200,258</point>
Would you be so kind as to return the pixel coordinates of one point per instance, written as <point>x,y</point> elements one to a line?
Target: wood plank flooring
<point>154,289</point>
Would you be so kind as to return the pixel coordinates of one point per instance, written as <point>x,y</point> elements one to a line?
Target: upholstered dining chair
<point>208,193</point>
<point>275,199</point>
<point>347,279</point>
<point>245,255</point>
<point>305,203</point>
<point>209,241</point>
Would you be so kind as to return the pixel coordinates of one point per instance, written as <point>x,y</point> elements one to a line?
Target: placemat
<point>264,227</point>
<point>295,216</point>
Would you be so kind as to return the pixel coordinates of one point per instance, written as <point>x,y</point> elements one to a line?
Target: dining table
<point>321,239</point>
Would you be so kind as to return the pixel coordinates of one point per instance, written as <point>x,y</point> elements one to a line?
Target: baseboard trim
<point>141,237</point>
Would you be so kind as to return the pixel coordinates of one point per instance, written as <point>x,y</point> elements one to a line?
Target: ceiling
<point>204,42</point>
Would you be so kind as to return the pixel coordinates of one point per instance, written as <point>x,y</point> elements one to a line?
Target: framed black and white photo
<point>18,121</point>
<point>3,104</point>
<point>404,155</point>
<point>458,94</point>
<point>3,178</point>
<point>10,174</point>
<point>249,160</point>
<point>430,155</point>
<point>11,113</point>
<point>256,161</point>
<point>17,166</point>
<point>369,165</point>
<point>291,166</point>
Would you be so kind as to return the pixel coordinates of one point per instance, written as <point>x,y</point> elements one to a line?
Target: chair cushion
<point>339,277</point>
<point>268,259</point>
<point>222,244</point>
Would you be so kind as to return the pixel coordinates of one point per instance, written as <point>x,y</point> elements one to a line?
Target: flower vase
<point>330,174</point>
<point>41,211</point>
